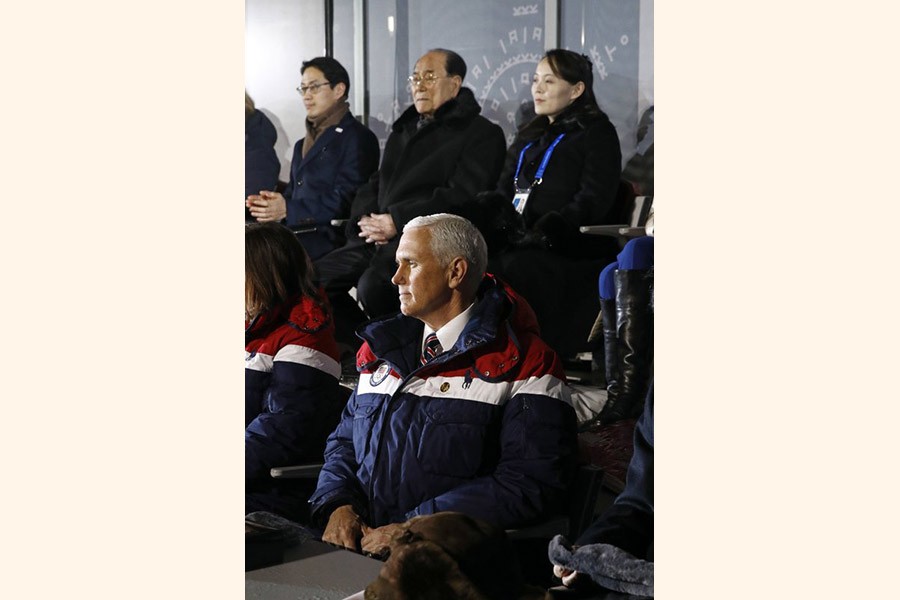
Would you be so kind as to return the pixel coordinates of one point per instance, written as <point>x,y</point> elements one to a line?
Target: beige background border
<point>777,419</point>
<point>123,285</point>
<point>123,268</point>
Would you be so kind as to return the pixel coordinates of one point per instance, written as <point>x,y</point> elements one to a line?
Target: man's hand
<point>377,229</point>
<point>344,528</point>
<point>570,578</point>
<point>267,206</point>
<point>378,541</point>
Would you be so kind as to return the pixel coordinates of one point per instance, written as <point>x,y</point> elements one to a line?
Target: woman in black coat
<point>561,172</point>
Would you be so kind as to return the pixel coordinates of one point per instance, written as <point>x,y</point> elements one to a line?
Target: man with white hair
<point>460,406</point>
<point>440,153</point>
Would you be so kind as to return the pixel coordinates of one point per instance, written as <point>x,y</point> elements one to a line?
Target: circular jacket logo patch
<point>380,374</point>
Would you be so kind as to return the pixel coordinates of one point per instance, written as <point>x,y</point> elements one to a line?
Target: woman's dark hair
<point>571,67</point>
<point>276,268</point>
<point>574,67</point>
<point>249,106</point>
<point>333,71</point>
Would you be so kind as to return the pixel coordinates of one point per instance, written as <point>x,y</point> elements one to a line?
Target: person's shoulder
<point>534,356</point>
<point>539,358</point>
<point>349,121</point>
<point>481,128</point>
<point>406,119</point>
<point>257,119</point>
<point>488,125</point>
<point>358,129</point>
<point>258,124</point>
<point>596,132</point>
<point>298,149</point>
<point>599,124</point>
<point>464,112</point>
<point>365,356</point>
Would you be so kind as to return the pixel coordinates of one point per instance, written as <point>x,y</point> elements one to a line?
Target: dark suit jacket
<point>434,169</point>
<point>323,184</point>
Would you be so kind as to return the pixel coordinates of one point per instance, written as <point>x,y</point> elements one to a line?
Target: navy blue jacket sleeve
<point>628,523</point>
<point>338,483</point>
<point>298,410</point>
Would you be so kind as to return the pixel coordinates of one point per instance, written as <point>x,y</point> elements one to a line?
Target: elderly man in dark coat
<point>440,153</point>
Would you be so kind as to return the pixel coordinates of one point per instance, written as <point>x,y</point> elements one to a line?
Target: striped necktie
<point>432,348</point>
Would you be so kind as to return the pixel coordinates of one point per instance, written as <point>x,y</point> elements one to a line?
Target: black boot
<point>610,346</point>
<point>634,343</point>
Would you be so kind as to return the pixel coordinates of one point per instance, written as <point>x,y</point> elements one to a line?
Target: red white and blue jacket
<point>292,400</point>
<point>486,428</point>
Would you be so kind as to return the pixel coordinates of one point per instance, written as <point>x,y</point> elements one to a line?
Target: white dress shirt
<point>449,333</point>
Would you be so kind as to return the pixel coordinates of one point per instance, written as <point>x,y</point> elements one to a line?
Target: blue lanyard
<point>539,175</point>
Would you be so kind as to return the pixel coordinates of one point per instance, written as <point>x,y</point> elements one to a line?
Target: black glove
<point>531,239</point>
<point>559,234</point>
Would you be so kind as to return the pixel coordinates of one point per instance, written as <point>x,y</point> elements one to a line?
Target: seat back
<point>639,211</point>
<point>633,206</point>
<point>632,213</point>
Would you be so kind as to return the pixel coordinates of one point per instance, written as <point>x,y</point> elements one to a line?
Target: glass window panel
<point>608,31</point>
<point>501,42</point>
<point>343,38</point>
<point>278,36</point>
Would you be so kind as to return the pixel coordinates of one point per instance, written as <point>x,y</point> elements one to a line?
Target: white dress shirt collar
<point>450,332</point>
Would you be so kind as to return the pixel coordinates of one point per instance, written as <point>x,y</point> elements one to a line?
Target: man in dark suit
<point>337,155</point>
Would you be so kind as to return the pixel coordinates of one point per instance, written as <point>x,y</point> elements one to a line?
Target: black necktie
<point>432,348</point>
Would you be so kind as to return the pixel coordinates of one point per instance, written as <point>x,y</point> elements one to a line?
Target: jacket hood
<point>500,321</point>
<point>303,313</point>
<point>516,309</point>
<point>454,112</point>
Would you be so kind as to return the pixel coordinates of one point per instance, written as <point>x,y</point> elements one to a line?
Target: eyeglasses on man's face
<point>313,87</point>
<point>428,80</point>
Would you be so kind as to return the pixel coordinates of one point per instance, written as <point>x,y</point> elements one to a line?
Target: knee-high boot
<point>610,345</point>
<point>634,345</point>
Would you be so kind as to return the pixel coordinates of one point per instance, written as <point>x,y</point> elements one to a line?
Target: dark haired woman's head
<point>563,79</point>
<point>276,268</point>
<point>249,107</point>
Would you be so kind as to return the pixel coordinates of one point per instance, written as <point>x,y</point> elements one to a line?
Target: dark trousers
<point>319,243</point>
<point>367,267</point>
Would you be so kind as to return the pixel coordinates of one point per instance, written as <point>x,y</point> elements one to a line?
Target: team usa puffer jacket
<point>292,399</point>
<point>486,428</point>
